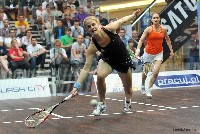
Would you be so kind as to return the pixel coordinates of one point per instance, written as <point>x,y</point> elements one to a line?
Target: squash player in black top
<point>114,55</point>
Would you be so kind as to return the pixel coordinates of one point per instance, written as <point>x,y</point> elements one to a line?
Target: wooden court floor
<point>173,111</point>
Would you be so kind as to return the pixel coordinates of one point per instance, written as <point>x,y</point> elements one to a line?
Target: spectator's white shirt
<point>39,13</point>
<point>79,51</point>
<point>4,17</point>
<point>44,4</point>
<point>8,40</point>
<point>26,41</point>
<point>34,49</point>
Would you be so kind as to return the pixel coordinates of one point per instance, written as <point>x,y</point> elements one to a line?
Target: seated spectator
<point>70,11</point>
<point>78,52</point>
<point>88,6</point>
<point>22,33</point>
<point>59,4</point>
<point>17,57</point>
<point>77,30</point>
<point>51,4</point>
<point>67,22</point>
<point>3,17</point>
<point>67,41</point>
<point>11,6</point>
<point>135,37</point>
<point>4,32</point>
<point>59,30</point>
<point>27,6</point>
<point>7,41</point>
<point>37,55</point>
<point>123,36</point>
<point>3,59</point>
<point>81,15</point>
<point>103,20</point>
<point>20,23</point>
<point>26,40</point>
<point>47,21</point>
<point>57,54</point>
<point>39,14</point>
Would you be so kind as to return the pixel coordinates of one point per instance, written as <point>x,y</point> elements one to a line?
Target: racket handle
<point>68,97</point>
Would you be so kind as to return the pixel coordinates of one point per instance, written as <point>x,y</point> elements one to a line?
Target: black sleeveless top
<point>115,53</point>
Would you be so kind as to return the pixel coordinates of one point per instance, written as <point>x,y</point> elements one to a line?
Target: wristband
<point>77,85</point>
<point>138,50</point>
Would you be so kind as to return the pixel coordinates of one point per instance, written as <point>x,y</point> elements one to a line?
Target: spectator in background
<point>123,36</point>
<point>37,55</point>
<point>57,54</point>
<point>102,20</point>
<point>135,37</point>
<point>81,15</point>
<point>71,11</point>
<point>194,51</point>
<point>78,52</point>
<point>51,4</point>
<point>3,17</point>
<point>67,22</point>
<point>3,59</point>
<point>4,32</point>
<point>26,40</point>
<point>39,14</point>
<point>47,21</point>
<point>17,57</point>
<point>11,6</point>
<point>59,4</point>
<point>7,41</point>
<point>21,23</point>
<point>59,30</point>
<point>88,6</point>
<point>67,41</point>
<point>77,30</point>
<point>27,6</point>
<point>22,33</point>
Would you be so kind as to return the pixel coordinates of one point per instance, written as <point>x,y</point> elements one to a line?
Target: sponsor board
<point>165,80</point>
<point>177,79</point>
<point>24,88</point>
<point>114,83</point>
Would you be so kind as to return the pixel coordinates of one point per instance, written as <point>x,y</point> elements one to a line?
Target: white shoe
<point>148,93</point>
<point>99,109</point>
<point>127,106</point>
<point>143,90</point>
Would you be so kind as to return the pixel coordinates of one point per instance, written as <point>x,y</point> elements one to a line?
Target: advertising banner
<point>24,88</point>
<point>165,80</point>
<point>179,19</point>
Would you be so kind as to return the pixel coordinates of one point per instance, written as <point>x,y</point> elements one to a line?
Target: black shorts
<point>120,67</point>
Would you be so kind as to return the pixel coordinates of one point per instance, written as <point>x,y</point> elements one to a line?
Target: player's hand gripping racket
<point>39,117</point>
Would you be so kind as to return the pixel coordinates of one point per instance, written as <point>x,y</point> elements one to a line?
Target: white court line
<point>195,106</point>
<point>183,107</point>
<point>6,122</point>
<point>5,110</point>
<point>19,121</point>
<point>18,109</point>
<point>62,117</point>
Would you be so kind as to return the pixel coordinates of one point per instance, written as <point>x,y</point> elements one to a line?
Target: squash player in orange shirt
<point>153,52</point>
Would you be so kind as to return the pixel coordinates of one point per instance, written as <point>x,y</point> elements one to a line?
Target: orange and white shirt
<point>155,41</point>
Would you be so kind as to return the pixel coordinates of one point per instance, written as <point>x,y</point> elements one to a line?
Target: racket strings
<point>36,118</point>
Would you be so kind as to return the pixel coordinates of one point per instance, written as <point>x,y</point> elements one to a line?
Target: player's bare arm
<point>115,25</point>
